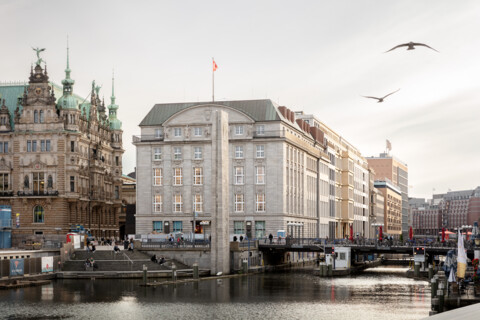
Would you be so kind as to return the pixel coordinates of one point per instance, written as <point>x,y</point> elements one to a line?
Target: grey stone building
<point>278,167</point>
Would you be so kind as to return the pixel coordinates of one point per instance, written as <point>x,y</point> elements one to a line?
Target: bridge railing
<point>168,245</point>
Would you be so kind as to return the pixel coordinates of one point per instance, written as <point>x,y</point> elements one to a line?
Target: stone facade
<point>60,164</point>
<point>280,173</point>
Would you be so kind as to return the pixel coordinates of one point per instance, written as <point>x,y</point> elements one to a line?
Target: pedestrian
<point>270,237</point>
<point>241,238</point>
<point>154,258</point>
<point>116,249</point>
<point>93,248</point>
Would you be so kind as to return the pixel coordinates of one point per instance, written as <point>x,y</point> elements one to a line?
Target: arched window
<point>35,116</point>
<point>38,214</point>
<point>41,116</point>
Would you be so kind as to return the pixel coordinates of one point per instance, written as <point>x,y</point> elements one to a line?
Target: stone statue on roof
<point>38,50</point>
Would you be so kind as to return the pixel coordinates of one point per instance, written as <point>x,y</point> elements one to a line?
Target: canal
<point>380,293</point>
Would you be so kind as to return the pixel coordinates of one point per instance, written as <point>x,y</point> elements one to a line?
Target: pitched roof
<point>258,110</point>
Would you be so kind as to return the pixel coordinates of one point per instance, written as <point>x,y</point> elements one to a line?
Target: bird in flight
<point>381,99</point>
<point>411,46</point>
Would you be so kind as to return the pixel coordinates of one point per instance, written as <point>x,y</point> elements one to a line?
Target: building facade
<point>395,170</point>
<point>281,175</point>
<point>392,214</point>
<point>60,159</point>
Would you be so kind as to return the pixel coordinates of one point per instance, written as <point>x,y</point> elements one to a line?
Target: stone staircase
<point>110,261</point>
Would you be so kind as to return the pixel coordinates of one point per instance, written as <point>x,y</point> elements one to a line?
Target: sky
<point>318,56</point>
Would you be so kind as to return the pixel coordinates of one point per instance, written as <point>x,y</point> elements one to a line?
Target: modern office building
<point>395,170</point>
<point>282,173</point>
<point>392,213</point>
<point>60,159</point>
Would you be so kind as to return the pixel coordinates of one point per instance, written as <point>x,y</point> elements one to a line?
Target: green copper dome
<point>67,101</point>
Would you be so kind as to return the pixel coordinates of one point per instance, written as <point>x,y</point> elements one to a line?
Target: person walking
<point>270,237</point>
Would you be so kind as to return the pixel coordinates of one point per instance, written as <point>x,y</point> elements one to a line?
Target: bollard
<point>434,305</point>
<point>416,271</point>
<point>430,271</point>
<point>440,296</point>
<point>330,270</point>
<point>433,287</point>
<point>195,270</point>
<point>324,269</point>
<point>174,272</point>
<point>145,274</point>
<point>245,266</point>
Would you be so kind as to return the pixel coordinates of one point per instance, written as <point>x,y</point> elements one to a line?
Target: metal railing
<point>130,260</point>
<point>183,244</point>
<point>37,193</point>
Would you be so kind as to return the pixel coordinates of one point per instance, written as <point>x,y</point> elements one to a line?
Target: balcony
<point>148,138</point>
<point>32,193</point>
<point>269,134</point>
<point>8,193</point>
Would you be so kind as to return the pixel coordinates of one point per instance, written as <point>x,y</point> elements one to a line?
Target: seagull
<point>411,46</point>
<point>380,99</point>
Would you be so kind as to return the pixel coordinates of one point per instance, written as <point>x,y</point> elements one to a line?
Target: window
<point>72,184</point>
<point>47,147</point>
<point>260,129</point>
<point>50,182</point>
<point>157,203</point>
<point>259,229</point>
<point>177,203</point>
<point>198,176</point>
<point>260,175</point>
<point>5,147</point>
<point>42,145</point>
<point>177,153</point>
<point>238,152</point>
<point>117,192</point>
<point>177,176</point>
<point>197,132</point>
<point>197,154</point>
<point>38,182</point>
<point>26,182</point>
<point>157,226</point>
<point>34,145</point>
<point>177,132</point>
<point>41,117</point>
<point>72,146</point>
<point>238,130</point>
<point>29,146</point>
<point>117,161</point>
<point>260,203</point>
<point>238,227</point>
<point>239,202</point>
<point>35,116</point>
<point>158,133</point>
<point>198,203</point>
<point>157,176</point>
<point>3,182</point>
<point>177,226</point>
<point>157,153</point>
<point>239,175</point>
<point>261,151</point>
<point>38,214</point>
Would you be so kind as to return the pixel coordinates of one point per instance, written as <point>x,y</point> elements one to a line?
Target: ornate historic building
<point>60,159</point>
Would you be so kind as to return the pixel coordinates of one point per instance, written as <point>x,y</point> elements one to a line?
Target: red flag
<point>214,66</point>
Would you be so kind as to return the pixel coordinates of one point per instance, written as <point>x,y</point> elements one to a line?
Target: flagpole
<point>213,80</point>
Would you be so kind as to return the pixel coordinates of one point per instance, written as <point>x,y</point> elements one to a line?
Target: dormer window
<point>238,130</point>
<point>177,132</point>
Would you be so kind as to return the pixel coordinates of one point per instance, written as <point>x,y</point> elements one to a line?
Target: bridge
<point>358,247</point>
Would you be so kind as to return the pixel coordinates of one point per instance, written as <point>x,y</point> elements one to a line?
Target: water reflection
<point>377,294</point>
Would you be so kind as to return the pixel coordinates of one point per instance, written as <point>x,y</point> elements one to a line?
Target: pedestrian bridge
<point>359,247</point>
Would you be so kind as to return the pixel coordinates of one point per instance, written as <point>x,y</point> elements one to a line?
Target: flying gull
<point>411,46</point>
<point>380,99</point>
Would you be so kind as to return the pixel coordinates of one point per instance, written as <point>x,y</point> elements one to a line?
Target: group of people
<point>90,263</point>
<point>158,260</point>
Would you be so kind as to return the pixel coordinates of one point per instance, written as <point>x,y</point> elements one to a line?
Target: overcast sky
<point>315,56</point>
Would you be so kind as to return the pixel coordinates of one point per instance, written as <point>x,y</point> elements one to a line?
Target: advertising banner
<point>16,267</point>
<point>76,241</point>
<point>47,264</point>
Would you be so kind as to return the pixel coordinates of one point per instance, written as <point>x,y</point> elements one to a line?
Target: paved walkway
<point>465,313</point>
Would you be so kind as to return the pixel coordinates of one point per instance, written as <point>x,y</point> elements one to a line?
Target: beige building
<point>392,208</point>
<point>60,160</point>
<point>395,170</point>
